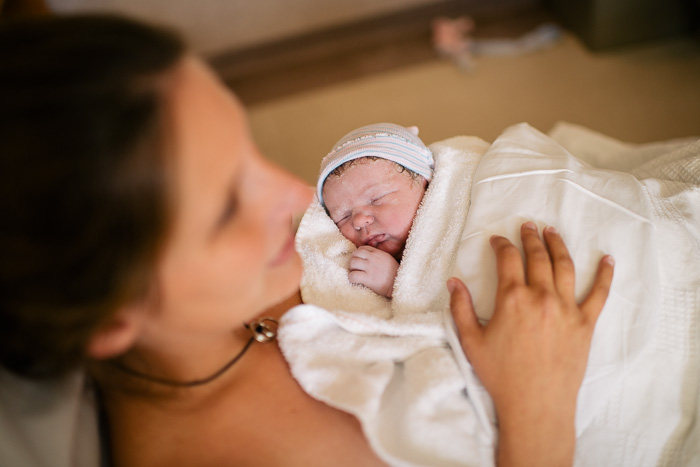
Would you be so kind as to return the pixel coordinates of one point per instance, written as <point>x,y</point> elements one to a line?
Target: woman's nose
<point>361,219</point>
<point>291,194</point>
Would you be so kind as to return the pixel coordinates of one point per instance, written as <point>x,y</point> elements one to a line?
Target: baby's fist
<point>373,268</point>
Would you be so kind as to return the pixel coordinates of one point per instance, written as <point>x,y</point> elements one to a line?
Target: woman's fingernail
<point>450,285</point>
<point>530,225</point>
<point>551,229</point>
<point>609,259</point>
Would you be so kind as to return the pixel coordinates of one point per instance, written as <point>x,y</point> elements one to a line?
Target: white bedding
<point>418,402</point>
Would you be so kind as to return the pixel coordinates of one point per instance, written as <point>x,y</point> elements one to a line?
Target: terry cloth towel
<point>388,362</point>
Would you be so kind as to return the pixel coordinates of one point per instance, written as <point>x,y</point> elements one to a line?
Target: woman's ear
<point>118,333</point>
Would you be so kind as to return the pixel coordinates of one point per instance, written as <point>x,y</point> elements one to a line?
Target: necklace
<point>262,330</point>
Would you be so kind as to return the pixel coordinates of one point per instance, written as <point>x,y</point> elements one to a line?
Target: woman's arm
<point>532,355</point>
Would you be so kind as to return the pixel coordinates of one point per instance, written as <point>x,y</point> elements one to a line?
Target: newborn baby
<point>371,184</point>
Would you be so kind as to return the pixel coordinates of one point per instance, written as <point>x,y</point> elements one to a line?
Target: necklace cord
<point>262,332</point>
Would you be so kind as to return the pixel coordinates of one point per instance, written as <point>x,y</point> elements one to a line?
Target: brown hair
<point>83,190</point>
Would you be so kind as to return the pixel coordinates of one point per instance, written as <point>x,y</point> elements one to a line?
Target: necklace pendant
<point>264,329</point>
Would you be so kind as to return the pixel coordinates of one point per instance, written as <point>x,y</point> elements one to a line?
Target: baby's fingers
<point>358,277</point>
<point>358,264</point>
<point>593,303</point>
<point>361,252</point>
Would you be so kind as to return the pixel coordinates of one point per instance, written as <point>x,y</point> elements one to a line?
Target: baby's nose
<point>361,219</point>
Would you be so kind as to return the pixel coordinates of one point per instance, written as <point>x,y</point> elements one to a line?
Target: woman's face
<point>231,252</point>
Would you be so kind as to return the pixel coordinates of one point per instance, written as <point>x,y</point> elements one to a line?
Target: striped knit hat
<point>384,140</point>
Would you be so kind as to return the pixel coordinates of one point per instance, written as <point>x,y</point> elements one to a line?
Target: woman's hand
<point>375,269</point>
<point>532,355</point>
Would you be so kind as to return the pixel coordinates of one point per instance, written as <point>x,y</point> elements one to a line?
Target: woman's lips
<point>285,252</point>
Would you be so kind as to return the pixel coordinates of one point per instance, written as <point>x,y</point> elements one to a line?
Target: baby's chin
<point>390,247</point>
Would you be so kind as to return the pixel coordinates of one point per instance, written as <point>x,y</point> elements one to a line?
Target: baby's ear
<point>413,129</point>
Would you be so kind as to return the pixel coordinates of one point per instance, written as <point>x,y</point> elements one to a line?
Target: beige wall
<point>214,26</point>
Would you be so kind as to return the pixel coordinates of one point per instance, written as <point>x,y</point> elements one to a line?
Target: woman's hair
<point>84,196</point>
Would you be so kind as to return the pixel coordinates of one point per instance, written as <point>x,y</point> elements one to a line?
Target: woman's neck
<point>148,375</point>
<point>182,357</point>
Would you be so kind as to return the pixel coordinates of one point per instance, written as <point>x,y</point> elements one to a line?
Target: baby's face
<point>373,203</point>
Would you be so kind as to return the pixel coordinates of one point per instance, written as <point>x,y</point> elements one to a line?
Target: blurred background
<point>311,70</point>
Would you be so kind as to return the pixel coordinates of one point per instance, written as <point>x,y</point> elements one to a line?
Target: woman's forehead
<point>209,139</point>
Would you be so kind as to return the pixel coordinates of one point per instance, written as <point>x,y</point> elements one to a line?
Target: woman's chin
<point>285,281</point>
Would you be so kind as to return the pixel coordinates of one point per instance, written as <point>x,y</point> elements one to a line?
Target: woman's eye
<point>229,210</point>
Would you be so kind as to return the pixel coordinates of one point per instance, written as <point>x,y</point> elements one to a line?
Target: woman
<point>141,227</point>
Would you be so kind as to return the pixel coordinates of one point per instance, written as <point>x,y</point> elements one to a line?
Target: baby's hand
<point>373,268</point>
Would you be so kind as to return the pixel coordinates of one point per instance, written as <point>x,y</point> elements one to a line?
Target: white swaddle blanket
<point>387,362</point>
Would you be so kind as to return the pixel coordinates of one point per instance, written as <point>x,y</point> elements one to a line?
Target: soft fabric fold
<point>391,364</point>
<point>388,362</point>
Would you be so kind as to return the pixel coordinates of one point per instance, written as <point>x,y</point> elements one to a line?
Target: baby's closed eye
<point>340,219</point>
<point>381,197</point>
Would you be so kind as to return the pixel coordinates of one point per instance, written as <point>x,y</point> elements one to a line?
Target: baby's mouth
<point>375,240</point>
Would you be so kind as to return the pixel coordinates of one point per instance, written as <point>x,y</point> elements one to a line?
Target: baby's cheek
<point>402,222</point>
<point>350,233</point>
